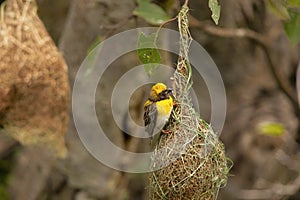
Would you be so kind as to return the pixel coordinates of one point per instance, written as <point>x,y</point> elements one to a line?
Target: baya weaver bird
<point>158,108</point>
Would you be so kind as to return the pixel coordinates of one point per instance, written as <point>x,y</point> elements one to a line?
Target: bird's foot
<point>176,103</point>
<point>166,131</point>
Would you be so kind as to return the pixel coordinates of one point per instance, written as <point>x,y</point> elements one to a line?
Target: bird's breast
<point>164,107</point>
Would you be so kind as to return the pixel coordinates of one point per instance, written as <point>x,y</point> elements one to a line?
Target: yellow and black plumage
<point>158,108</point>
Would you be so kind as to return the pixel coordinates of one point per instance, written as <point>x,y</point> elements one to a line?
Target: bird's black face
<point>165,94</point>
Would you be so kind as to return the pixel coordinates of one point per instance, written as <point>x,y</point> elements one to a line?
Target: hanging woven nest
<point>196,162</point>
<point>34,90</point>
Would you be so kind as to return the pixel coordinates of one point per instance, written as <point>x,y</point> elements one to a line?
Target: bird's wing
<point>150,117</point>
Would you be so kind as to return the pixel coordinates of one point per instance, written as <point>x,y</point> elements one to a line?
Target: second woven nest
<point>34,88</point>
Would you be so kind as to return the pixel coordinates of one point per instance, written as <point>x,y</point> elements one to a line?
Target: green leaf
<point>293,3</point>
<point>279,8</point>
<point>147,41</point>
<point>151,12</point>
<point>215,9</point>
<point>273,129</point>
<point>148,53</point>
<point>292,27</point>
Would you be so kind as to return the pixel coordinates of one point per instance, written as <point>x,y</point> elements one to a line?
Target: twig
<point>263,41</point>
<point>163,24</point>
<point>186,2</point>
<point>168,21</point>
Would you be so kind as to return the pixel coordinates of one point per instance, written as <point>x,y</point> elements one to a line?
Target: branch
<point>263,41</point>
<point>277,189</point>
<point>282,83</point>
<point>227,32</point>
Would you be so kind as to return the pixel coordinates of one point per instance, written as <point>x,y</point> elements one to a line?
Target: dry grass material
<point>191,159</point>
<point>34,90</point>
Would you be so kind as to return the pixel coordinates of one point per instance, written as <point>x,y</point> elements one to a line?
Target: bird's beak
<point>170,92</point>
